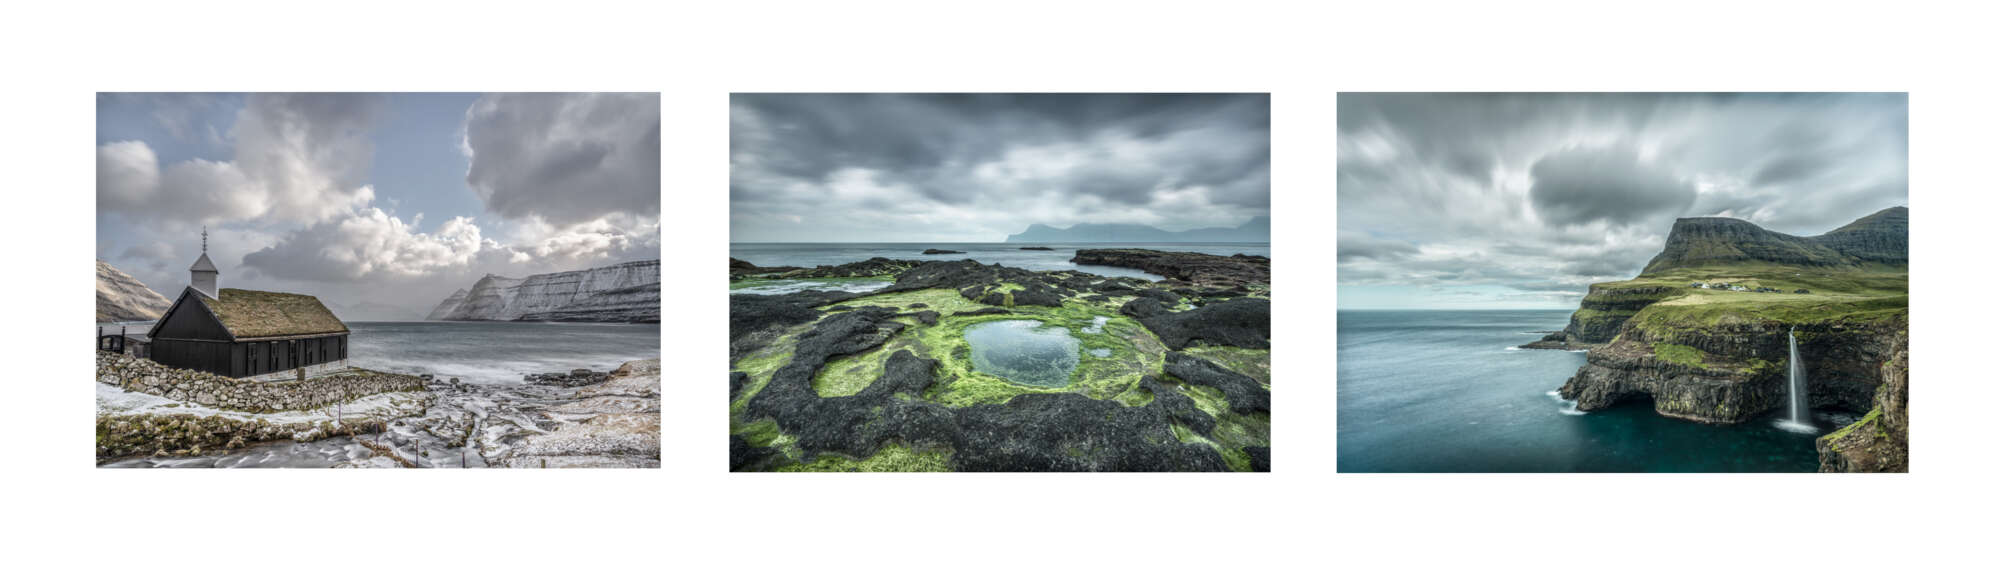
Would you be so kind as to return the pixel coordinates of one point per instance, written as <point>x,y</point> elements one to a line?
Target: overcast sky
<point>1523,200</point>
<point>379,199</point>
<point>960,167</point>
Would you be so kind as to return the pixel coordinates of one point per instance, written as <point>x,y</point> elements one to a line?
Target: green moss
<point>1832,440</point>
<point>941,300</point>
<point>761,433</point>
<point>1680,354</point>
<point>1255,363</point>
<point>892,457</point>
<point>850,374</point>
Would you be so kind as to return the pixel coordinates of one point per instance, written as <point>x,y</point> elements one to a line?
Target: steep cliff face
<point>123,298</point>
<point>1883,237</point>
<point>626,292</point>
<point>449,304</point>
<point>1704,333</point>
<point>1698,242</point>
<point>1879,442</point>
<point>1604,311</point>
<point>1736,371</point>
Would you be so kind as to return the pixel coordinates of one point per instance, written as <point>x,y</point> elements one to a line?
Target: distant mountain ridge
<point>622,293</point>
<point>1256,230</point>
<point>1881,238</point>
<point>123,298</point>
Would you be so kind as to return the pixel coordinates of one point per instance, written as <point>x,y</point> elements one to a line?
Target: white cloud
<point>299,159</point>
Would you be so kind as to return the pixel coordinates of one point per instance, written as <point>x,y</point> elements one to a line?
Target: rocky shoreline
<point>917,404</point>
<point>575,419</point>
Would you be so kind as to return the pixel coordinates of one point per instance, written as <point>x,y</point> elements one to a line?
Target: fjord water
<point>1009,254</point>
<point>497,352</point>
<point>1446,391</point>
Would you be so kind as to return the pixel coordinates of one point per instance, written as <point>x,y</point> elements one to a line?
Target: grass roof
<point>251,313</point>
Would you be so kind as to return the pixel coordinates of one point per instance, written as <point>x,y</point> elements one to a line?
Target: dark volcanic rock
<point>571,379</point>
<point>1037,249</point>
<point>1163,296</point>
<point>1260,457</point>
<point>1198,268</point>
<point>873,267</point>
<point>982,312</point>
<point>755,319</point>
<point>1178,407</point>
<point>1243,322</point>
<point>740,269</point>
<point>1070,432</point>
<point>941,252</point>
<point>1143,308</point>
<point>1244,393</point>
<point>927,317</point>
<point>1032,432</point>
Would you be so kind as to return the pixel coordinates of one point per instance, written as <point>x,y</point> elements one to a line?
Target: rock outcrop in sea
<point>622,293</point>
<point>1702,333</point>
<point>1255,230</point>
<point>123,298</point>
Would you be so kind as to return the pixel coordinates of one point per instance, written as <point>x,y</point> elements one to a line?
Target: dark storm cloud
<point>1578,186</point>
<point>565,158</point>
<point>1522,190</point>
<point>802,162</point>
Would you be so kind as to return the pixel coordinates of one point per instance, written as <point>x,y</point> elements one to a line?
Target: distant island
<point>1257,230</point>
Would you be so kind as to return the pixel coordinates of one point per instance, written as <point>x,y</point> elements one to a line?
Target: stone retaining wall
<point>146,376</point>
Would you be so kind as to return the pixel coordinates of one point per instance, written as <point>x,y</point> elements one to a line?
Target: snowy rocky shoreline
<point>580,419</point>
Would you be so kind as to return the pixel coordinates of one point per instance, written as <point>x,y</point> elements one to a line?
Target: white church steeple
<point>202,274</point>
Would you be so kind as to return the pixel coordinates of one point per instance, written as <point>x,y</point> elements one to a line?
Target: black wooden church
<point>238,333</point>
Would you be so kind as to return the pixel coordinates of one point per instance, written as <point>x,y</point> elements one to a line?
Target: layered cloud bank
<point>291,194</point>
<point>962,167</point>
<point>1522,200</point>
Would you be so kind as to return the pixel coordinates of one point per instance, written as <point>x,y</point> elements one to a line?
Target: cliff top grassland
<point>1866,293</point>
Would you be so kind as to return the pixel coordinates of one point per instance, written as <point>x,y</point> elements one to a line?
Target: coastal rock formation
<point>622,293</point>
<point>1240,322</point>
<point>740,269</point>
<point>1704,333</point>
<point>1880,441</point>
<point>1200,269</point>
<point>596,420</point>
<point>883,381</point>
<point>1255,230</point>
<point>123,298</point>
<point>941,251</point>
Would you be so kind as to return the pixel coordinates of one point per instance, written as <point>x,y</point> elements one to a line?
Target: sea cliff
<point>622,293</point>
<point>123,298</point>
<point>1703,333</point>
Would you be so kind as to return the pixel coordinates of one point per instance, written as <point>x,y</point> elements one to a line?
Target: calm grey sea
<point>1446,391</point>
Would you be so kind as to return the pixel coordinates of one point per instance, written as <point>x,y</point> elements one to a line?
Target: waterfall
<point>1800,419</point>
